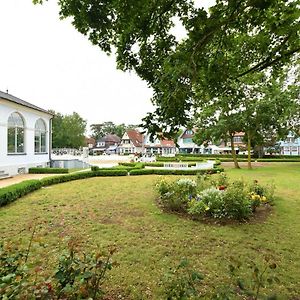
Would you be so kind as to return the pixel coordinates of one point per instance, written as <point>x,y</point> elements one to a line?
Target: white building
<point>131,142</point>
<point>25,136</point>
<point>290,146</point>
<point>160,146</point>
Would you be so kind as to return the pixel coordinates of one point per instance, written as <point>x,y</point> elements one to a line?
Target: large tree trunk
<point>249,150</point>
<point>236,164</point>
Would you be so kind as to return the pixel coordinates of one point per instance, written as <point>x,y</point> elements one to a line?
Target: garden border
<point>13,192</point>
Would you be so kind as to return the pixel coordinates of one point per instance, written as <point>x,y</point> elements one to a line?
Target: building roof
<point>135,137</point>
<point>110,138</point>
<point>90,140</point>
<point>185,135</point>
<point>167,143</point>
<point>19,101</point>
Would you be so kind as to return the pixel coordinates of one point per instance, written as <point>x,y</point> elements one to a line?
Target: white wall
<point>10,163</point>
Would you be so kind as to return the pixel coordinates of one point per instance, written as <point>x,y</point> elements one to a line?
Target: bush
<point>48,170</point>
<point>209,202</point>
<point>237,204</point>
<point>94,168</point>
<point>214,197</point>
<point>174,172</point>
<point>141,172</point>
<point>175,195</point>
<point>13,192</point>
<point>78,274</point>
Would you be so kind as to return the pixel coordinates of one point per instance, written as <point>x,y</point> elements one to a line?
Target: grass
<point>122,212</point>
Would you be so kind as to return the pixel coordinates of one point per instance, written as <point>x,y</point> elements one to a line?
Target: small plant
<point>260,276</point>
<point>259,194</point>
<point>203,182</point>
<point>78,275</point>
<point>236,202</point>
<point>208,202</point>
<point>180,283</point>
<point>174,195</point>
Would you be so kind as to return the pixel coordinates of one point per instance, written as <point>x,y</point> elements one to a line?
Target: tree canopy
<point>109,127</point>
<point>68,130</point>
<point>227,47</point>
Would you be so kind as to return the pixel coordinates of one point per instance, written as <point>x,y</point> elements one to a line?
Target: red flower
<point>222,187</point>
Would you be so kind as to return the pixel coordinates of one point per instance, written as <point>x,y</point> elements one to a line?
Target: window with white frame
<point>15,134</point>
<point>40,134</point>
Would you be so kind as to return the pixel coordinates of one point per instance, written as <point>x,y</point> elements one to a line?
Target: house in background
<point>159,146</point>
<point>90,142</point>
<point>186,144</point>
<point>108,144</point>
<point>290,146</point>
<point>25,136</point>
<point>131,142</point>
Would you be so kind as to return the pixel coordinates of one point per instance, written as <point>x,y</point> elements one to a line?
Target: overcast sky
<point>46,62</point>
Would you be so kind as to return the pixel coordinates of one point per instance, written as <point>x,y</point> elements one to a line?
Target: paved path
<point>20,178</point>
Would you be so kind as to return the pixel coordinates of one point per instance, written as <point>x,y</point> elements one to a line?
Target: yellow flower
<point>263,198</point>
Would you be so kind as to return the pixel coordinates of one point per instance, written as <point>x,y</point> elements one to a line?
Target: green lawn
<point>122,211</point>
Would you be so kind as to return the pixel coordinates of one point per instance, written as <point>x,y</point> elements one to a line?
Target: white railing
<point>176,165</point>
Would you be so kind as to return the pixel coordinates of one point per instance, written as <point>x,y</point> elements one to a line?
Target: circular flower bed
<point>214,197</point>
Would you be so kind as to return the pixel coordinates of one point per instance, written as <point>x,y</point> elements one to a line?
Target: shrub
<point>127,164</point>
<point>13,192</point>
<point>221,180</point>
<point>94,168</point>
<point>175,195</point>
<point>259,194</point>
<point>209,202</point>
<point>181,282</point>
<point>141,172</point>
<point>213,197</point>
<point>203,182</point>
<point>78,275</point>
<point>174,172</point>
<point>48,170</point>
<point>237,204</point>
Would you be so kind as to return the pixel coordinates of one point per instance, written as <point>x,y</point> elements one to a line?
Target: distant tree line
<point>102,129</point>
<point>68,131</point>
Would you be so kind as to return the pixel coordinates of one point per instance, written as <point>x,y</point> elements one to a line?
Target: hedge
<point>129,167</point>
<point>126,164</point>
<point>174,172</point>
<point>161,164</point>
<point>13,192</point>
<point>277,159</point>
<point>210,155</point>
<point>81,175</point>
<point>242,157</point>
<point>179,158</point>
<point>48,170</point>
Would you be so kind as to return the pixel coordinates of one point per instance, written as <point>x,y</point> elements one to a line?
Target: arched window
<point>15,133</point>
<point>40,136</point>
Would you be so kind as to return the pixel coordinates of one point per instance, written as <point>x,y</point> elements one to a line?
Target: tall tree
<point>235,39</point>
<point>102,129</point>
<point>68,130</point>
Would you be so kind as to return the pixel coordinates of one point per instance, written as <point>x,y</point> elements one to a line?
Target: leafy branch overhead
<point>226,46</point>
